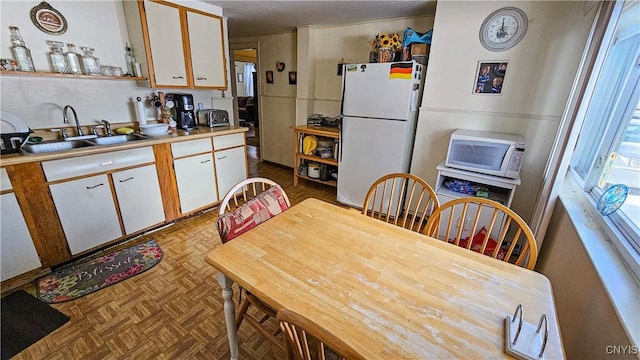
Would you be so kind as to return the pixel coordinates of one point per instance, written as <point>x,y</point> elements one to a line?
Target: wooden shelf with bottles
<point>69,76</point>
<point>299,132</point>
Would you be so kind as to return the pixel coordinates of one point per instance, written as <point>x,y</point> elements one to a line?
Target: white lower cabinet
<point>17,252</point>
<point>87,211</point>
<point>195,177</point>
<point>139,197</point>
<point>231,168</point>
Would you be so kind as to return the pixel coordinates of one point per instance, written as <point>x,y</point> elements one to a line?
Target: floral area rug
<point>79,279</point>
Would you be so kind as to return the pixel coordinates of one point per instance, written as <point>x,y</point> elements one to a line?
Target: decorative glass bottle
<point>58,60</point>
<point>90,63</point>
<point>74,59</point>
<point>131,61</point>
<point>20,52</point>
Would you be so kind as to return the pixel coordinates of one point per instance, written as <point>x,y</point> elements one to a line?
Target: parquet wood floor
<point>175,309</point>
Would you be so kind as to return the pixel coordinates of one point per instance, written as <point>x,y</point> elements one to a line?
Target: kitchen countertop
<point>178,135</point>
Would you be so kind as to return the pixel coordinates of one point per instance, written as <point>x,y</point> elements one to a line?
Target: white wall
<point>537,83</point>
<point>277,101</point>
<point>100,24</point>
<point>239,65</point>
<point>589,322</point>
<point>317,51</point>
<point>350,44</point>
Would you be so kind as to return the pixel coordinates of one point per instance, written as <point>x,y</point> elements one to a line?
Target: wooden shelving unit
<point>299,157</point>
<point>68,76</point>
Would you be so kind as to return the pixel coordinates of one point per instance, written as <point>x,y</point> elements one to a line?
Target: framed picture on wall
<point>292,78</point>
<point>240,77</point>
<point>269,77</point>
<point>490,77</point>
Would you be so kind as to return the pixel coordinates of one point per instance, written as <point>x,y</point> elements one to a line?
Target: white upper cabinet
<point>207,50</point>
<point>165,43</point>
<point>177,47</point>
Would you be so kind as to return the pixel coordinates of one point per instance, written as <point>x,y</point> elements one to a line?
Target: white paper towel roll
<point>138,70</point>
<point>142,118</point>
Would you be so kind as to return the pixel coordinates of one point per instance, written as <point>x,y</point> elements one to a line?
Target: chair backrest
<point>248,204</point>
<point>307,340</point>
<point>484,226</point>
<point>246,190</point>
<point>401,199</point>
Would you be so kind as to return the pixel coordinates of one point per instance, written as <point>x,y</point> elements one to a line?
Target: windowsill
<point>618,280</point>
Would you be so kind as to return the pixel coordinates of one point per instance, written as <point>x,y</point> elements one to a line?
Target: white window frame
<point>621,233</point>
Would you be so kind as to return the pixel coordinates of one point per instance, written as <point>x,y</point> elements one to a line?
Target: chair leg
<point>244,306</point>
<point>277,342</point>
<point>288,347</point>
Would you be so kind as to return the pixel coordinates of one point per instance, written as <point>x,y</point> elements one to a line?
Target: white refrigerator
<point>379,113</point>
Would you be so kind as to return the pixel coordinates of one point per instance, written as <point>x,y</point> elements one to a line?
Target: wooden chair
<point>476,219</point>
<point>244,198</point>
<point>306,340</point>
<point>245,191</point>
<point>401,199</point>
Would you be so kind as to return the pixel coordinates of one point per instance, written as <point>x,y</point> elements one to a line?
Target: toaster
<point>213,117</point>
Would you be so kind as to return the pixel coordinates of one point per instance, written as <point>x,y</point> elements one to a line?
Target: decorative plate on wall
<point>48,19</point>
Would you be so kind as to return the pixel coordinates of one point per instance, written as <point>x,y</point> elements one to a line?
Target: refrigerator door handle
<point>340,140</point>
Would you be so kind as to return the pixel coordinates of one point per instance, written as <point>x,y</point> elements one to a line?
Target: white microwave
<point>486,152</point>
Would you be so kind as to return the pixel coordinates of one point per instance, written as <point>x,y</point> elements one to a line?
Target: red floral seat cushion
<point>476,244</point>
<point>252,213</point>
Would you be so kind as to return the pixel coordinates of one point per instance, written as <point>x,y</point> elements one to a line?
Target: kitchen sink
<point>54,145</point>
<point>117,139</point>
<point>62,145</point>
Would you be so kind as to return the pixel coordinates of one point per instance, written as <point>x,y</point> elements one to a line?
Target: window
<point>608,150</point>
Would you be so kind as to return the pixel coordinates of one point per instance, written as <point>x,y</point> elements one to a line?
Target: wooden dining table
<point>390,293</point>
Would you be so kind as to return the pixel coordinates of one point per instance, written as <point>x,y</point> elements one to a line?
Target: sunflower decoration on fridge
<point>386,47</point>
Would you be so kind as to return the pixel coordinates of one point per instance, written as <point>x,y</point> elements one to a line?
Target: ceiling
<point>254,18</point>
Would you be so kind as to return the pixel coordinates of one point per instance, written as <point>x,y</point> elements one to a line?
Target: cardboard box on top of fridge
<point>419,49</point>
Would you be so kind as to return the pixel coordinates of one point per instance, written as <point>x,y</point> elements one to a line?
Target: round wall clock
<point>503,29</point>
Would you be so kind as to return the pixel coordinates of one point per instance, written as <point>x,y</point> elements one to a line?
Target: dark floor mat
<point>25,320</point>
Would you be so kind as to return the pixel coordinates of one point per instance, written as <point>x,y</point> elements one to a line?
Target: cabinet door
<point>17,253</point>
<point>87,212</point>
<point>165,42</point>
<point>195,177</point>
<point>207,50</point>
<point>139,198</point>
<point>231,168</point>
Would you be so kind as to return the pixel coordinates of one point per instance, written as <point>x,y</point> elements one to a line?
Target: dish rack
<point>12,142</point>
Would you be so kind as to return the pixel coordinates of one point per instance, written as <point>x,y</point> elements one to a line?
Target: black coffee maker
<point>183,111</point>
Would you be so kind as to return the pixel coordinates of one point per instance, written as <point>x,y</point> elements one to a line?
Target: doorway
<point>246,94</point>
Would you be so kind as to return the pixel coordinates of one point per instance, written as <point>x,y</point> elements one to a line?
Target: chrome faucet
<point>107,127</point>
<point>66,119</point>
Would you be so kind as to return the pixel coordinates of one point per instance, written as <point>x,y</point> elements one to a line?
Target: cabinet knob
<point>127,179</point>
<point>201,78</point>
<point>206,161</point>
<point>223,157</point>
<point>178,77</point>
<point>94,186</point>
